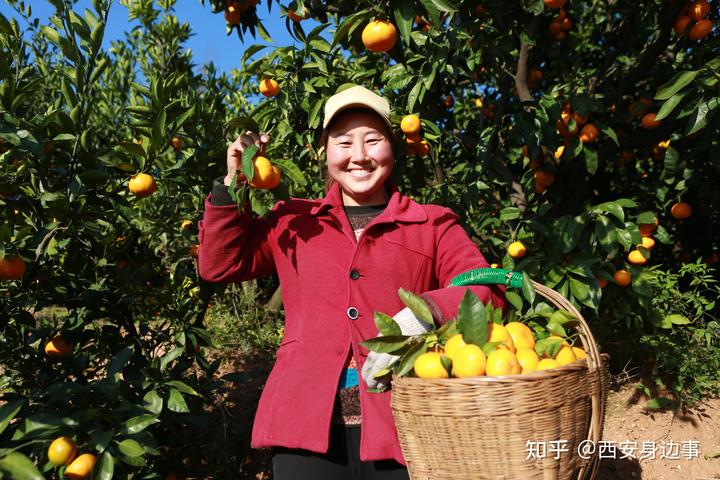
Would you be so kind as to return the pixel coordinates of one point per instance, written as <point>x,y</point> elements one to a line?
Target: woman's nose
<point>358,151</point>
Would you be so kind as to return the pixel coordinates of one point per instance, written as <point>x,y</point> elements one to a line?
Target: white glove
<point>409,325</point>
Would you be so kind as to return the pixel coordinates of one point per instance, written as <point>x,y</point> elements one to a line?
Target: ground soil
<point>628,420</point>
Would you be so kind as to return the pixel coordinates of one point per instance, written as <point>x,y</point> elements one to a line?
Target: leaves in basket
<point>515,300</point>
<point>386,325</point>
<point>447,331</point>
<point>417,305</point>
<point>446,363</point>
<point>473,319</point>
<point>490,347</point>
<point>528,290</point>
<point>387,344</point>
<point>548,347</point>
<point>407,360</point>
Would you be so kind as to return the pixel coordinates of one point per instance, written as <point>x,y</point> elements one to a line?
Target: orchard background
<point>538,128</point>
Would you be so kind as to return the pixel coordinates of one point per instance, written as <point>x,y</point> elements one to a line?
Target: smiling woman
<point>339,259</point>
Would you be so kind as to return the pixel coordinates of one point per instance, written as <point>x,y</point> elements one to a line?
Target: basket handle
<point>488,276</point>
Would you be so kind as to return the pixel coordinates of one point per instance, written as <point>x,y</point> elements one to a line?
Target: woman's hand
<point>236,149</point>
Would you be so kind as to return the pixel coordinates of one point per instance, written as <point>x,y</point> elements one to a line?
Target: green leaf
<point>152,402</point>
<point>119,360</point>
<point>417,305</point>
<point>105,467</point>
<point>19,467</point>
<point>561,317</point>
<point>528,290</point>
<point>176,402</point>
<point>677,319</point>
<point>386,325</point>
<point>515,300</point>
<point>607,130</point>
<point>412,98</point>
<point>386,344</point>
<point>675,84</point>
<point>591,160</point>
<point>183,387</point>
<point>509,213</point>
<point>407,360</point>
<point>131,447</point>
<point>658,403</point>
<point>169,357</point>
<point>548,347</point>
<point>8,412</point>
<point>441,5</point>
<point>472,319</point>
<point>647,218</point>
<point>100,439</point>
<point>579,290</point>
<point>291,171</point>
<point>670,105</point>
<point>605,233</point>
<point>404,13</point>
<point>39,424</point>
<point>137,424</point>
<point>699,120</point>
<point>248,166</point>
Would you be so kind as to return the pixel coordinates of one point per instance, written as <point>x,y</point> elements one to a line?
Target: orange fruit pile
<point>414,143</point>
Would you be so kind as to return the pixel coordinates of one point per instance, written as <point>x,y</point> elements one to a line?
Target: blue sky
<point>209,42</point>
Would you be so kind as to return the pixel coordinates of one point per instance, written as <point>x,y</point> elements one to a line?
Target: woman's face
<point>360,157</point>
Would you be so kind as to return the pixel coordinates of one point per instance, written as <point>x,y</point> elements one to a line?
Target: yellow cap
<point>353,97</point>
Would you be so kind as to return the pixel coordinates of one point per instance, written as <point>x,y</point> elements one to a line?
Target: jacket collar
<point>400,208</point>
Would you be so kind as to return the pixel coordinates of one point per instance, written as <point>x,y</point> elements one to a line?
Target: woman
<point>339,259</point>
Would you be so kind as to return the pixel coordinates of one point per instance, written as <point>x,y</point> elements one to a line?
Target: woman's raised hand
<point>236,149</point>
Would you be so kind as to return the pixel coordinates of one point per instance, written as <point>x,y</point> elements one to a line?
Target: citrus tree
<point>576,139</point>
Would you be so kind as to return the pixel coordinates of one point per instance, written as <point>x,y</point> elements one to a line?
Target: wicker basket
<point>479,428</point>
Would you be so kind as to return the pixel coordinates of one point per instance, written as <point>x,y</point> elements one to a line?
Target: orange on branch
<point>589,133</point>
<point>12,268</point>
<point>622,278</point>
<point>636,257</point>
<point>700,30</point>
<point>142,185</point>
<point>379,36</point>
<point>410,124</point>
<point>681,24</point>
<point>269,87</point>
<point>681,210</point>
<point>699,9</point>
<point>649,122</point>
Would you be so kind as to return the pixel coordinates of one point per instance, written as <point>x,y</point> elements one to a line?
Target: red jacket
<point>325,274</point>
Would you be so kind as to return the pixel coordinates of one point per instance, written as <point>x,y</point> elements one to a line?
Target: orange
<point>12,268</point>
<point>295,17</point>
<point>535,75</point>
<point>428,365</point>
<point>602,282</point>
<point>566,355</point>
<point>640,106</point>
<point>142,185</point>
<point>521,335</point>
<point>579,119</point>
<point>81,468</point>
<point>410,124</point>
<point>379,36</point>
<point>517,250</point>
<point>699,9</point>
<point>269,87</point>
<point>700,30</point>
<point>648,121</point>
<point>498,333</point>
<point>423,148</point>
<point>449,101</point>
<point>555,28</point>
<point>176,143</point>
<point>185,224</point>
<point>57,347</point>
<point>61,451</point>
<point>681,210</point>
<point>648,242</point>
<point>566,24</point>
<point>681,24</point>
<point>560,36</point>
<point>579,353</point>
<point>454,344</point>
<point>528,359</point>
<point>646,229</point>
<point>274,179</point>
<point>479,10</point>
<point>622,278</point>
<point>469,361</point>
<point>502,362</point>
<point>554,3</point>
<point>194,251</point>
<point>546,364</point>
<point>263,174</point>
<point>544,179</point>
<point>234,11</point>
<point>589,133</point>
<point>559,152</point>
<point>479,102</point>
<point>636,258</point>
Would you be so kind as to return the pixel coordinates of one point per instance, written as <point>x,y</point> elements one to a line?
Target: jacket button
<point>354,274</point>
<point>353,313</point>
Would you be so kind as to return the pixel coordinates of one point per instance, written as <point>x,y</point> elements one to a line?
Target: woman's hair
<point>353,110</point>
